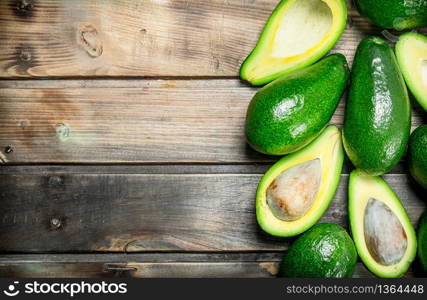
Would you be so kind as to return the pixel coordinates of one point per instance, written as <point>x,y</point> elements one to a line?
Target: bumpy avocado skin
<point>422,242</point>
<point>324,251</point>
<point>290,112</point>
<point>378,114</point>
<point>394,14</point>
<point>418,155</point>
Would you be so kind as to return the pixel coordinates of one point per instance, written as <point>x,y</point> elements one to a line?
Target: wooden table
<point>122,145</point>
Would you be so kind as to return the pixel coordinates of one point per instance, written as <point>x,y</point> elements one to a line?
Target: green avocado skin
<point>418,155</point>
<point>378,114</point>
<point>422,242</point>
<point>324,251</point>
<point>291,111</point>
<point>394,14</point>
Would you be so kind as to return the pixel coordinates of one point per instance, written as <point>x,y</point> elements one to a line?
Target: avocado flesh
<point>394,14</point>
<point>382,231</point>
<point>290,112</point>
<point>418,155</point>
<point>298,33</point>
<point>411,52</point>
<point>378,114</point>
<point>306,182</point>
<point>422,242</point>
<point>324,251</point>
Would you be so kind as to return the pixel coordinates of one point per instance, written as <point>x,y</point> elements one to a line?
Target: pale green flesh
<point>303,26</point>
<point>423,66</point>
<point>411,50</point>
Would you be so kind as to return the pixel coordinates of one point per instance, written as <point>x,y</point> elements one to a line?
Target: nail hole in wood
<point>55,223</point>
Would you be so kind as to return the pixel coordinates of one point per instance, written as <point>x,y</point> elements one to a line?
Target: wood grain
<point>52,38</point>
<point>149,212</point>
<point>147,121</point>
<point>166,265</point>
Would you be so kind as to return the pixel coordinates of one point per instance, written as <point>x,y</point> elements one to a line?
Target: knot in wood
<point>24,6</point>
<point>25,55</point>
<point>89,39</point>
<point>8,149</point>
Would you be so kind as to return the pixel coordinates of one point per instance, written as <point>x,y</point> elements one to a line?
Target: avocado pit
<point>385,236</point>
<point>293,192</point>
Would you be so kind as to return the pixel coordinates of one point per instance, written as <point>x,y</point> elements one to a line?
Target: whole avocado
<point>422,242</point>
<point>418,155</point>
<point>378,114</point>
<point>394,14</point>
<point>290,112</point>
<point>324,251</point>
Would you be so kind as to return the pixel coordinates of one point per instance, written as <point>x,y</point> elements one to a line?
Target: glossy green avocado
<point>295,192</point>
<point>378,116</point>
<point>418,155</point>
<point>394,14</point>
<point>290,112</point>
<point>422,242</point>
<point>297,34</point>
<point>324,251</point>
<point>382,231</point>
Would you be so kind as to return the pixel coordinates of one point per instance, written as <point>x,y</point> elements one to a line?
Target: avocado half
<point>411,53</point>
<point>298,33</point>
<point>297,190</point>
<point>382,231</point>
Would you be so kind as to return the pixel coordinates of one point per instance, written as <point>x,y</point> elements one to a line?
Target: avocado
<point>290,112</point>
<point>297,190</point>
<point>418,155</point>
<point>381,229</point>
<point>378,114</point>
<point>422,242</point>
<point>394,14</point>
<point>411,53</point>
<point>324,251</point>
<point>297,34</point>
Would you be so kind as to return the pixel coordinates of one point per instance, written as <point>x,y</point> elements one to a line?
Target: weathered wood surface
<point>148,265</point>
<point>140,195</point>
<point>147,121</point>
<point>46,38</point>
<point>149,212</point>
<point>134,38</point>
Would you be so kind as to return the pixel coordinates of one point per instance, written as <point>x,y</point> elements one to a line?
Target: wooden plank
<point>157,169</point>
<point>149,265</point>
<point>147,121</point>
<point>153,270</point>
<point>149,212</point>
<point>48,38</point>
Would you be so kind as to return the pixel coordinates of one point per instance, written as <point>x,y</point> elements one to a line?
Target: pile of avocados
<point>289,116</point>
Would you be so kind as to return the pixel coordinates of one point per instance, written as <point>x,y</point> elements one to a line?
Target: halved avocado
<point>297,34</point>
<point>411,52</point>
<point>382,231</point>
<point>297,190</point>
